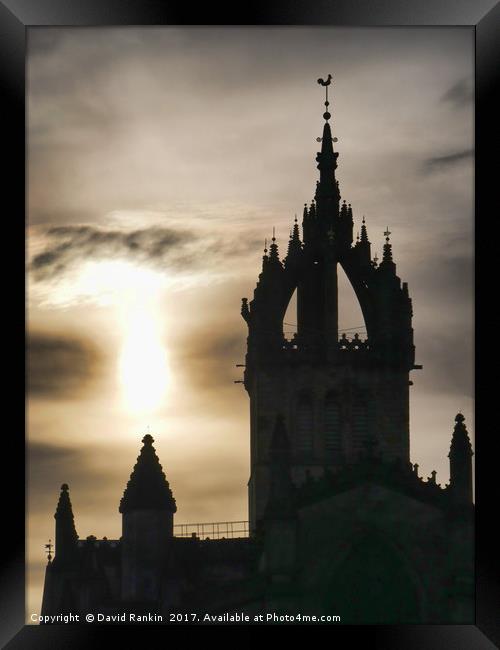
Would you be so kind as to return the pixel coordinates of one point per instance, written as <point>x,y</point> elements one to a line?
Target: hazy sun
<point>143,369</point>
<point>134,293</point>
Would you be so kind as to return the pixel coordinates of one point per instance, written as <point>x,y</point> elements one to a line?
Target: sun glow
<point>134,293</point>
<point>143,368</point>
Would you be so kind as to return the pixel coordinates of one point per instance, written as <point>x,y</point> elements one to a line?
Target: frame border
<point>482,15</point>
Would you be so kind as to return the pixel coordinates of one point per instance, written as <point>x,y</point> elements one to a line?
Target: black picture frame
<point>16,16</point>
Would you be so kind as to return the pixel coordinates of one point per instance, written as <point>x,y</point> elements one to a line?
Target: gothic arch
<point>360,287</point>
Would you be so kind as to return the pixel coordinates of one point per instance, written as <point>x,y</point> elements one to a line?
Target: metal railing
<point>215,530</point>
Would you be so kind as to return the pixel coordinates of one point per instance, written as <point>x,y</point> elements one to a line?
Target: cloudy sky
<point>159,160</point>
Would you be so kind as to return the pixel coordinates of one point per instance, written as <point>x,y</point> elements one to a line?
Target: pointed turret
<point>148,488</point>
<point>66,535</point>
<point>364,246</point>
<point>294,245</point>
<point>387,263</point>
<point>461,462</point>
<point>147,508</point>
<point>274,257</point>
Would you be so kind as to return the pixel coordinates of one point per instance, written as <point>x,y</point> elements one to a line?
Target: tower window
<point>304,425</point>
<point>332,425</point>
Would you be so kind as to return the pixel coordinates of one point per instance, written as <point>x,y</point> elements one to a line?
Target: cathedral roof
<point>148,488</point>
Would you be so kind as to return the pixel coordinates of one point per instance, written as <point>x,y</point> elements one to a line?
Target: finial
<point>295,218</point>
<point>48,550</point>
<point>459,418</point>
<point>327,115</point>
<point>148,440</point>
<point>363,221</point>
<point>375,259</point>
<point>387,234</point>
<point>274,233</point>
<point>265,246</point>
<point>64,487</point>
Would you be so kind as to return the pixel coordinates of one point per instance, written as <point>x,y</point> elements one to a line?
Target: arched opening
<point>332,432</point>
<point>290,318</point>
<point>304,424</point>
<point>350,315</point>
<point>373,586</point>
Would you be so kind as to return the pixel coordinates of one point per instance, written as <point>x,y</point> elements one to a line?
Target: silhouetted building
<point>340,521</point>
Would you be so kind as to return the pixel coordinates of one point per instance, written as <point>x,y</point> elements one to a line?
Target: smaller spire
<point>461,462</point>
<point>364,232</point>
<point>387,246</point>
<point>273,249</point>
<point>294,244</point>
<point>66,535</point>
<point>460,442</point>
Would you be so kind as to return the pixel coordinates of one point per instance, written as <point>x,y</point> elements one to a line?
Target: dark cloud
<point>61,366</point>
<point>155,245</point>
<point>460,94</point>
<point>442,163</point>
<point>70,244</point>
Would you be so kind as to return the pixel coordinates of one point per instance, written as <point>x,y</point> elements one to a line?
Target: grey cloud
<point>460,94</point>
<point>154,245</point>
<point>61,366</point>
<point>442,163</point>
<point>74,243</point>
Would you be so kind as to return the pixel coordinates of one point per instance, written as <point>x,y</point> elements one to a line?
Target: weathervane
<point>327,115</point>
<point>325,84</point>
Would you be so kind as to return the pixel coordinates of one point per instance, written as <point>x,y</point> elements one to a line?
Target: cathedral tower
<point>337,395</point>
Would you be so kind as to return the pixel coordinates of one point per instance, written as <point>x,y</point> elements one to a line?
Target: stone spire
<point>364,246</point>
<point>273,251</point>
<point>294,244</point>
<point>461,461</point>
<point>66,535</point>
<point>148,488</point>
<point>364,233</point>
<point>387,261</point>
